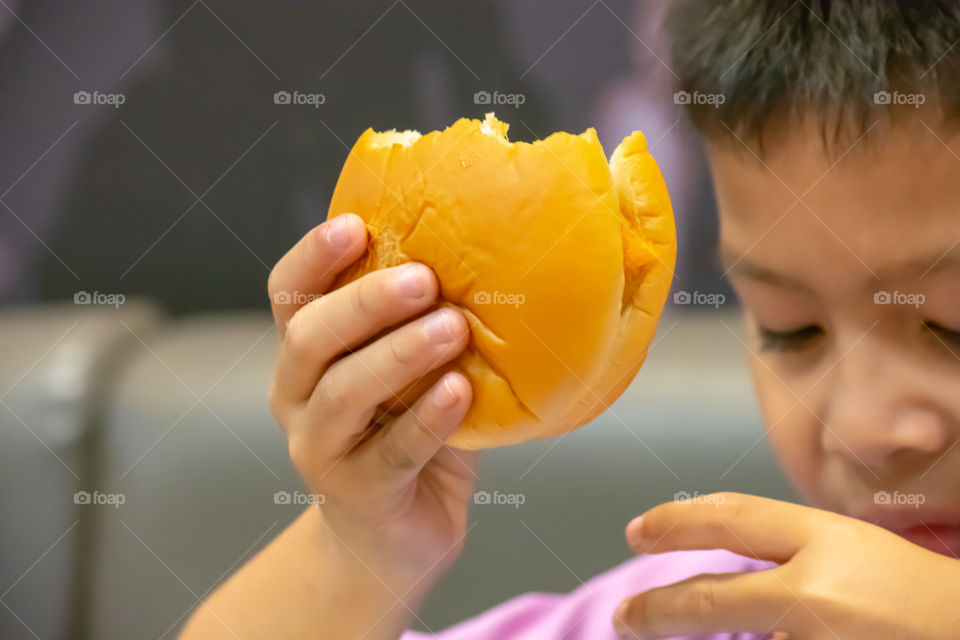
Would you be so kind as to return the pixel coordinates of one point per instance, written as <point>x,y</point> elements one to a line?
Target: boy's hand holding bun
<point>394,496</point>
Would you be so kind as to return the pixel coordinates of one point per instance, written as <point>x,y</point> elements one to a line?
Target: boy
<point>834,158</point>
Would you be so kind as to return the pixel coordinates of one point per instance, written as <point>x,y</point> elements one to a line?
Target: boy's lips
<point>940,537</point>
<point>934,529</point>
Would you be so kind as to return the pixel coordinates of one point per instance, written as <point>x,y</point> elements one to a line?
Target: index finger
<point>747,525</point>
<point>310,267</point>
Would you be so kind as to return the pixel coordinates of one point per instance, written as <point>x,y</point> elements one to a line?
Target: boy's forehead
<point>802,155</point>
<point>890,199</point>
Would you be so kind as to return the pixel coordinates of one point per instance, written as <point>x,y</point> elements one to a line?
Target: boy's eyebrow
<point>732,262</point>
<point>926,265</point>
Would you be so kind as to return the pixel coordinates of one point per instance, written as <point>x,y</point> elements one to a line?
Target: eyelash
<point>941,331</point>
<point>799,338</point>
<point>789,340</point>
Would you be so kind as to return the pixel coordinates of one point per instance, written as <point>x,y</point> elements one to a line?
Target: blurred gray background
<point>151,173</point>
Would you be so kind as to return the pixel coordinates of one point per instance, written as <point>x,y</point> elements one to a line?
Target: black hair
<point>747,68</point>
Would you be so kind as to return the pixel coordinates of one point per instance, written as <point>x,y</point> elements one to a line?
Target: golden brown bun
<point>560,261</point>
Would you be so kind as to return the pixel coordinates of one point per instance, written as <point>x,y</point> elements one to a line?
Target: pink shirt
<point>586,612</point>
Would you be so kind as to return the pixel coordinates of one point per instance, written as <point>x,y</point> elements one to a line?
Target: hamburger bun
<point>560,260</point>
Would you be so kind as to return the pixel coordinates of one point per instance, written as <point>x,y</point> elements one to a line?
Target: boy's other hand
<point>839,577</point>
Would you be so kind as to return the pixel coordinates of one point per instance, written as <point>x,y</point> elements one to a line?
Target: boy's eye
<point>942,332</point>
<point>788,340</point>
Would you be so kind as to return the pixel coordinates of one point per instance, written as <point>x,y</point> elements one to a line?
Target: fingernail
<point>410,281</point>
<point>635,531</point>
<point>337,232</point>
<point>445,395</point>
<point>439,326</point>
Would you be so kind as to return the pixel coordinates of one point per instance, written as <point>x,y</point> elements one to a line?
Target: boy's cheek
<point>821,481</point>
<point>793,433</point>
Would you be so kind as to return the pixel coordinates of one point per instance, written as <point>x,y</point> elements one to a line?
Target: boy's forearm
<point>306,584</point>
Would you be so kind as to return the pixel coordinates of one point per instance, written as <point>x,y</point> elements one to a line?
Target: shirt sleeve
<point>586,612</point>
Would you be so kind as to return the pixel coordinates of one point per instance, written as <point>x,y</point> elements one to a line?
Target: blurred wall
<point>144,153</point>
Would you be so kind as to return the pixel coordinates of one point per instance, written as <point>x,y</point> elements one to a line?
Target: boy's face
<point>849,275</point>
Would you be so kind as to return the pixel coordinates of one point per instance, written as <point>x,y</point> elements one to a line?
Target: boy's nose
<point>875,412</point>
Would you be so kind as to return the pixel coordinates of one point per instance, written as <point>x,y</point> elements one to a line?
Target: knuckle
<point>366,294</point>
<point>276,403</point>
<point>298,453</point>
<point>805,583</point>
<point>296,336</point>
<point>394,455</point>
<point>330,394</point>
<point>273,283</point>
<point>401,350</point>
<point>305,334</point>
<point>312,247</point>
<point>703,599</point>
<point>732,504</point>
<point>633,615</point>
<point>309,462</point>
<point>422,425</point>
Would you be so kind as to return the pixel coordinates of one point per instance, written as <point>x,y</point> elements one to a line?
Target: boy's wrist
<point>369,579</point>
